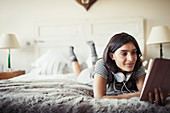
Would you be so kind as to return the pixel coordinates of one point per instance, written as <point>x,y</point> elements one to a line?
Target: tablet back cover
<point>158,75</point>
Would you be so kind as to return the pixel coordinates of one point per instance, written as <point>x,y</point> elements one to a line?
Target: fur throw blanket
<point>61,96</point>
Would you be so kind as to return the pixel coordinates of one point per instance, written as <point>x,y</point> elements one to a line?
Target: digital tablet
<point>158,75</point>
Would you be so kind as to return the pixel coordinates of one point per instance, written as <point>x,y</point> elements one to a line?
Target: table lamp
<point>159,35</point>
<point>9,41</point>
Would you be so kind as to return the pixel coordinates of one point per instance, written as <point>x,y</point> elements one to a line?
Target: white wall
<point>20,17</point>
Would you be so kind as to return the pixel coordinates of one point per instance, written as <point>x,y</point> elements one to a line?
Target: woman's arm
<point>99,88</point>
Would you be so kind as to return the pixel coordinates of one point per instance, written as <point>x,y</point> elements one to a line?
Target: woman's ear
<point>111,55</point>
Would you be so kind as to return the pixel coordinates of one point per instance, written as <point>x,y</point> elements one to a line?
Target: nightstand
<point>8,75</point>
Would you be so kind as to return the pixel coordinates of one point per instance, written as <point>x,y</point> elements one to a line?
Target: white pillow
<point>49,55</point>
<point>51,63</point>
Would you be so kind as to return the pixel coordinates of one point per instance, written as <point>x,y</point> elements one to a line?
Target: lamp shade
<point>159,35</point>
<point>9,41</point>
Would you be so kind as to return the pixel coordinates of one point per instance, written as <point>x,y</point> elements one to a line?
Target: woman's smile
<point>130,64</point>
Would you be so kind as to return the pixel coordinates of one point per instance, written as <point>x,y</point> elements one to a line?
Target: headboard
<point>60,34</point>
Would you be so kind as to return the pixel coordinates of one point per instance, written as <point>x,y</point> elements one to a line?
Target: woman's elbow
<point>97,96</point>
<point>138,93</point>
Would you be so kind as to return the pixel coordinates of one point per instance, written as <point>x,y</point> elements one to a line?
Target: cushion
<point>52,63</point>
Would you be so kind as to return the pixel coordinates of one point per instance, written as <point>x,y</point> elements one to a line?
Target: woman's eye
<point>134,52</point>
<point>124,54</point>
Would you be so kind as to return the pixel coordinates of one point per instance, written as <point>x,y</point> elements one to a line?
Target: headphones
<point>120,77</point>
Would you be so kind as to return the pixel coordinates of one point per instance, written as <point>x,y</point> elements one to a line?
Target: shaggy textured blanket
<point>61,96</point>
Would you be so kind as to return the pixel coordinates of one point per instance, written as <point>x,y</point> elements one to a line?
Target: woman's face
<point>125,57</point>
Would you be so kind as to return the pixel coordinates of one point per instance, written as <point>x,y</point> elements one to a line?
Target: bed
<point>57,94</point>
<point>51,86</point>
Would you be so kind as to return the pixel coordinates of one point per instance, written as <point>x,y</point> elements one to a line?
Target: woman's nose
<point>129,57</point>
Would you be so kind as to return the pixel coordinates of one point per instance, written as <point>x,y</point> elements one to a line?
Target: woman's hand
<point>159,96</point>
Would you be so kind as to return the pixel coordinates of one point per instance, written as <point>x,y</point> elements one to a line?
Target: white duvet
<point>33,77</point>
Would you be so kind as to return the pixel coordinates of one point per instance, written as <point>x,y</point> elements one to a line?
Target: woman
<point>120,74</point>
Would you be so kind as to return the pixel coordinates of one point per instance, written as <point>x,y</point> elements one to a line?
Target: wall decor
<point>86,3</point>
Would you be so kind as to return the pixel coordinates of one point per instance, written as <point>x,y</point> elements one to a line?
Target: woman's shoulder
<point>140,72</point>
<point>100,68</point>
<point>100,65</point>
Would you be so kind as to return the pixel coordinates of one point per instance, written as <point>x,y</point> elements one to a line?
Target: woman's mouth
<point>130,64</point>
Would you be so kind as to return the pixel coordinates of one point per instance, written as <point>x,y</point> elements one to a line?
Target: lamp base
<point>8,70</point>
<point>161,51</point>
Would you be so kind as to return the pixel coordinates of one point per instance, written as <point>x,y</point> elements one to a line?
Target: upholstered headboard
<point>59,34</point>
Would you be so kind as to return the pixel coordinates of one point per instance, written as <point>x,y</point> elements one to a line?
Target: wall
<point>20,17</point>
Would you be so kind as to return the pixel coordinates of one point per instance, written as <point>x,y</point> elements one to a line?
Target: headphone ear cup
<point>120,77</point>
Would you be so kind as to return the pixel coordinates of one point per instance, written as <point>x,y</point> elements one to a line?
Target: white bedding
<point>33,77</point>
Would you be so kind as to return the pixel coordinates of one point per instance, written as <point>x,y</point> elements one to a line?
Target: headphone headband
<point>120,77</point>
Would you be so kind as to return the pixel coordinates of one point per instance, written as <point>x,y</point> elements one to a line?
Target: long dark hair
<point>116,42</point>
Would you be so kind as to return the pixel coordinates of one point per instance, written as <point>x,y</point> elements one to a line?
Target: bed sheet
<point>33,77</point>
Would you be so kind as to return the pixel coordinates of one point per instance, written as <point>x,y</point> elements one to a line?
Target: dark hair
<point>116,42</point>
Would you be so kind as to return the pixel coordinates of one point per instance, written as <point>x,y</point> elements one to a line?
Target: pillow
<point>49,55</point>
<point>52,67</point>
<point>52,63</point>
